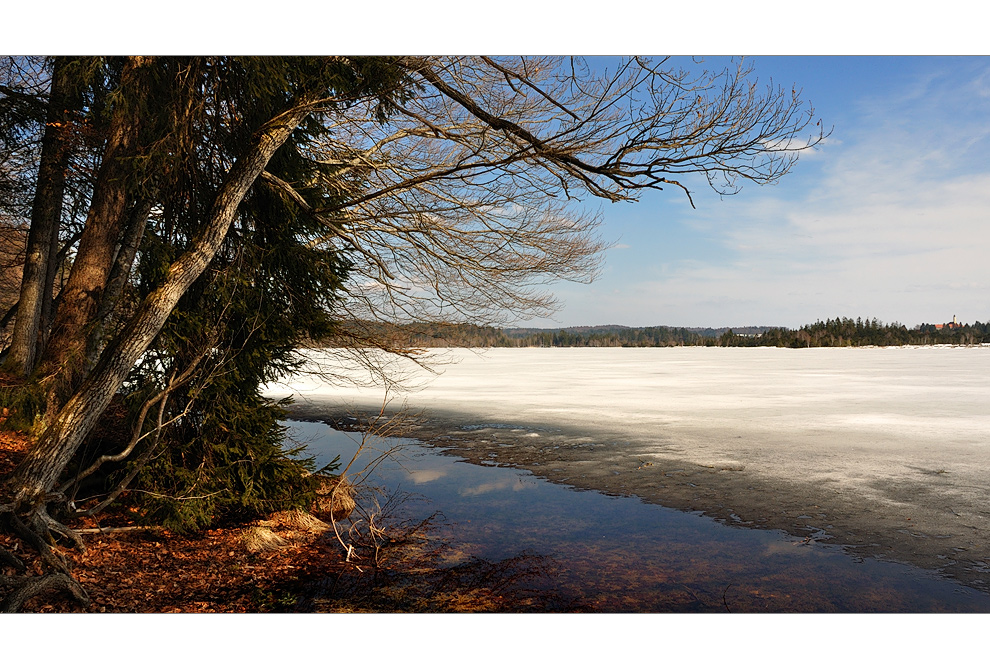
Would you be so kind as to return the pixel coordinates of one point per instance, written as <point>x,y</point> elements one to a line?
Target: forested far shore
<point>831,332</point>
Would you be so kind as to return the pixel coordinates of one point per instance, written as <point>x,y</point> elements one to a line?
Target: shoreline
<point>882,451</point>
<point>910,524</point>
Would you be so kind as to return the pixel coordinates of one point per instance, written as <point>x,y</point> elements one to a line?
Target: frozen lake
<point>890,447</point>
<point>839,416</point>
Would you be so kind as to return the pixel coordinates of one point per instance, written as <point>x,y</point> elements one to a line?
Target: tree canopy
<point>187,222</point>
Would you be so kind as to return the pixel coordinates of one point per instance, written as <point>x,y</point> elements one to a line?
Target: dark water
<point>620,554</point>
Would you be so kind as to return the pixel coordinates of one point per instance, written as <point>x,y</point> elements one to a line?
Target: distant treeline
<point>860,332</point>
<point>832,332</point>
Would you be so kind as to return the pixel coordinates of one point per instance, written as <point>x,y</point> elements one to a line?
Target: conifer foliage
<point>187,222</point>
<point>188,288</point>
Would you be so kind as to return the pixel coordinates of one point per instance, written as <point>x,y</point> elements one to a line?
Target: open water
<point>612,554</point>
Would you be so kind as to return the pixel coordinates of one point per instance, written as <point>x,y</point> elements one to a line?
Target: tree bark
<point>64,355</point>
<point>46,213</point>
<point>124,260</point>
<point>40,470</point>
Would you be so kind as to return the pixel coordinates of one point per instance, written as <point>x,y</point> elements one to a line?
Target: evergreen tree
<point>441,185</point>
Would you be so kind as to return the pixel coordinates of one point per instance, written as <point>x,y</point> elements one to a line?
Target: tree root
<point>9,559</point>
<point>53,526</point>
<point>39,541</point>
<point>34,586</point>
<point>36,531</point>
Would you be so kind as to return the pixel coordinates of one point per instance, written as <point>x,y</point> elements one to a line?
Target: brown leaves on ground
<point>158,571</point>
<point>13,445</point>
<point>154,570</point>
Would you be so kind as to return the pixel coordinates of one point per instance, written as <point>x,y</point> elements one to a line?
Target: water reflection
<point>620,554</point>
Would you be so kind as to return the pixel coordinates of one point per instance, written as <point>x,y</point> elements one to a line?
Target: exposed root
<point>32,587</point>
<point>9,559</point>
<point>35,530</point>
<point>37,540</point>
<point>55,527</point>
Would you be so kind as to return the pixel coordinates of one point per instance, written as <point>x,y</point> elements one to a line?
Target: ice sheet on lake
<point>839,415</point>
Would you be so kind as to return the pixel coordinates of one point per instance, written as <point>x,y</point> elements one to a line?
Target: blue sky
<point>889,218</point>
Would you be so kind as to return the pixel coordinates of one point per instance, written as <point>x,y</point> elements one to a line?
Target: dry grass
<point>335,497</point>
<point>262,540</point>
<point>296,520</point>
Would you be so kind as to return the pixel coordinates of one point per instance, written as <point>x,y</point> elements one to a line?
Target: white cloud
<point>908,256</point>
<point>421,476</point>
<point>515,484</point>
<point>890,220</point>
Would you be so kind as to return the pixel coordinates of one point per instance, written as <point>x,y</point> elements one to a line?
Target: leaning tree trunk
<point>38,473</point>
<point>46,213</point>
<point>63,359</point>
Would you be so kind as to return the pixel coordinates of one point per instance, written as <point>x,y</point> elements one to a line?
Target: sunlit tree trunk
<point>64,355</point>
<point>46,212</point>
<point>38,473</point>
<point>129,245</point>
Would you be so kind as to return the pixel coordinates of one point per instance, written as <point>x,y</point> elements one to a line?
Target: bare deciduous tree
<point>471,194</point>
<point>454,187</point>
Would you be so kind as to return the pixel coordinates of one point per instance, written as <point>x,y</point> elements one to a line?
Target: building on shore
<point>949,326</point>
